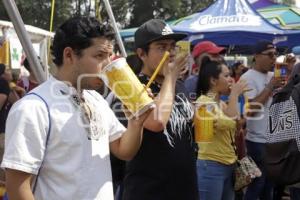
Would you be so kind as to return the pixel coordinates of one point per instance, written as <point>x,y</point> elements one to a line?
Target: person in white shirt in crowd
<point>262,84</point>
<point>58,138</point>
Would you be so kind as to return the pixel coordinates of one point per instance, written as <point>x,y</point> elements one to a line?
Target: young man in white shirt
<point>60,147</point>
<point>262,83</point>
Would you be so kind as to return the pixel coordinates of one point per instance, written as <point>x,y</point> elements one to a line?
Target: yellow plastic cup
<point>122,81</point>
<point>204,125</point>
<point>2,191</point>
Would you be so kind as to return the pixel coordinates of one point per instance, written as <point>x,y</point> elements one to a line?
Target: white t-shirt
<point>257,125</point>
<point>76,164</point>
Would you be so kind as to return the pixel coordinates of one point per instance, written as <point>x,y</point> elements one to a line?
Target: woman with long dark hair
<point>216,157</point>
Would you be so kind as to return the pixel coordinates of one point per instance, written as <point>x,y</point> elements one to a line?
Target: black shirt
<point>165,166</point>
<point>4,89</point>
<point>117,165</point>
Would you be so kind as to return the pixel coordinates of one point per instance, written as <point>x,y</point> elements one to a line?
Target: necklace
<point>85,111</point>
<point>90,119</point>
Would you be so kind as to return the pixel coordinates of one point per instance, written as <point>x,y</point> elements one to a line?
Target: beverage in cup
<point>122,81</point>
<point>204,125</point>
<point>280,70</point>
<point>183,47</point>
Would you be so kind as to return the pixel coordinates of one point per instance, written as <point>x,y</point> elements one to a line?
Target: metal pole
<point>23,36</point>
<point>112,18</point>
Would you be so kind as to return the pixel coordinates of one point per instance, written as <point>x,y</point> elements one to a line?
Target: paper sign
<point>16,51</point>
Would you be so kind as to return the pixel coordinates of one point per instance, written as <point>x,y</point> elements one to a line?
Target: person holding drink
<point>264,84</point>
<point>58,136</point>
<point>164,167</point>
<point>216,132</point>
<point>283,68</point>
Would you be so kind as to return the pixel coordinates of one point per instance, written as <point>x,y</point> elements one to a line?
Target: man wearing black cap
<point>164,168</point>
<point>262,84</point>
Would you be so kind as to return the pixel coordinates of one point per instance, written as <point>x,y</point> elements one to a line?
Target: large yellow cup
<point>204,125</point>
<point>122,81</point>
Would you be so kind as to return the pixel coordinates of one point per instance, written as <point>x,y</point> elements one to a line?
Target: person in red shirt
<point>28,82</point>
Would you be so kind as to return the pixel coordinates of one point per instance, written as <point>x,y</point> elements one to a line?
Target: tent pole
<point>49,38</point>
<point>23,36</point>
<point>118,36</point>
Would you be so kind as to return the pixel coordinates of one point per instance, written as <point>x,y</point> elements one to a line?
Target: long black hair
<point>208,69</point>
<point>235,67</point>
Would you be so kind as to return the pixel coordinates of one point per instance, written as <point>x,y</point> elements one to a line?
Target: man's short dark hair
<point>27,65</point>
<point>77,33</point>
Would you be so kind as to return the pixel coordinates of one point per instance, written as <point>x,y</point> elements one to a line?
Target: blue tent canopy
<point>285,17</point>
<point>258,4</point>
<point>128,34</point>
<point>233,22</point>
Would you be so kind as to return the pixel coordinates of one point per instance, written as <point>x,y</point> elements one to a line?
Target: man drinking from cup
<point>164,167</point>
<point>58,137</point>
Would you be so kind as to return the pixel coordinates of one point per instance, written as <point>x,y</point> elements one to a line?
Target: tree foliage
<point>121,10</point>
<point>37,12</point>
<point>164,9</point>
<point>287,2</point>
<point>128,13</point>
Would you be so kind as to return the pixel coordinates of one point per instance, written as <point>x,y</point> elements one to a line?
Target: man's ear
<point>141,53</point>
<point>68,55</point>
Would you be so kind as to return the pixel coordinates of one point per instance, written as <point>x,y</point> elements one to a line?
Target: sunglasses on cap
<point>270,54</point>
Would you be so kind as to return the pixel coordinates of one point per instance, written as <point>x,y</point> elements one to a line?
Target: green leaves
<point>128,13</point>
<point>164,9</point>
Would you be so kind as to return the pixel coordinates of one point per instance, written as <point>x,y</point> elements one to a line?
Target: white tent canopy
<point>36,34</point>
<point>38,37</point>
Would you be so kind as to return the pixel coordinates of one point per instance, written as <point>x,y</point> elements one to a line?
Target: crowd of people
<point>64,140</point>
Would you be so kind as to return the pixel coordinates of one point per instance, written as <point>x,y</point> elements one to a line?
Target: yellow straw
<point>166,55</point>
<point>51,25</point>
<point>52,15</point>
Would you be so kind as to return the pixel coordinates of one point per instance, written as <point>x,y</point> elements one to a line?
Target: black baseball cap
<point>153,30</point>
<point>263,46</point>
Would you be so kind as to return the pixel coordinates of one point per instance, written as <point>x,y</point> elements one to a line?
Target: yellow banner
<point>184,47</point>
<point>4,53</point>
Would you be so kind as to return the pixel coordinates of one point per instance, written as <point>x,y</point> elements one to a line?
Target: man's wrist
<point>171,78</point>
<point>270,87</point>
<point>233,95</point>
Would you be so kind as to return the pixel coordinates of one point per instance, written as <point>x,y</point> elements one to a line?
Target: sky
<point>298,3</point>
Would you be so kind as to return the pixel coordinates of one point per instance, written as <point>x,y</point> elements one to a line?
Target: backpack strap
<point>47,137</point>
